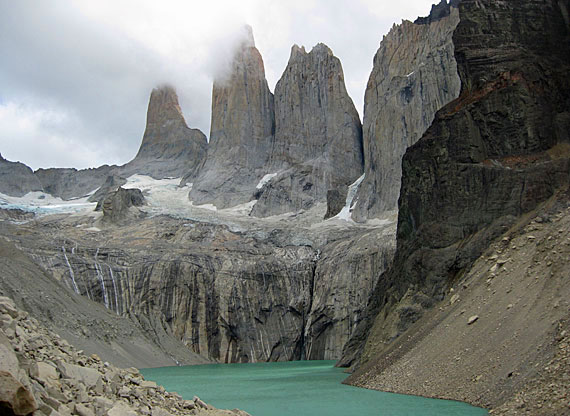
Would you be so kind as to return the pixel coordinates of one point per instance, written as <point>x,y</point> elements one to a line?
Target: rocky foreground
<point>42,374</point>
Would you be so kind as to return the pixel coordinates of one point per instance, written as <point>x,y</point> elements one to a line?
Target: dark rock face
<point>169,148</point>
<point>17,179</point>
<point>241,134</point>
<point>335,202</point>
<point>414,75</point>
<point>438,12</point>
<point>491,155</point>
<point>116,206</point>
<point>318,135</point>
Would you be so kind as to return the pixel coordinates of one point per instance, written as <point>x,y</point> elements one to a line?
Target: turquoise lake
<point>299,388</point>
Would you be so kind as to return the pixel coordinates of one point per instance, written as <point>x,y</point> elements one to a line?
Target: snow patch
<point>346,211</point>
<point>42,203</point>
<point>209,207</point>
<point>266,179</point>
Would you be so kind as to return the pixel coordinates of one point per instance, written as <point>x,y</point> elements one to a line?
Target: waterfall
<point>75,288</point>
<point>114,289</point>
<point>346,211</point>
<point>101,280</point>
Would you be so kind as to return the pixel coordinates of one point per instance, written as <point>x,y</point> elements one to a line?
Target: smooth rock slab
<point>88,376</point>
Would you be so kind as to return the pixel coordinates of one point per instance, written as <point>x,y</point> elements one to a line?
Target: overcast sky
<point>75,76</point>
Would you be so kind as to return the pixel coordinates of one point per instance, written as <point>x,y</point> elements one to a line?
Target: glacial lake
<point>300,388</point>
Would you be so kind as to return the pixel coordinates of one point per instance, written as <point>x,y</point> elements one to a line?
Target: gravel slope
<point>517,298</point>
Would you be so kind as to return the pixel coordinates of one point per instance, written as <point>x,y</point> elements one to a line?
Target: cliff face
<point>169,148</point>
<point>241,133</point>
<point>491,155</point>
<point>267,294</point>
<point>414,75</point>
<point>318,137</point>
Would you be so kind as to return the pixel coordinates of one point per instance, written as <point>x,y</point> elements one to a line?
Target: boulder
<point>88,376</point>
<point>14,397</point>
<point>117,205</point>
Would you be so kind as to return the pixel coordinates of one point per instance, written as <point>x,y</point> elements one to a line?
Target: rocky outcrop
<point>169,147</point>
<point>17,179</point>
<point>117,206</point>
<point>414,75</point>
<point>241,133</point>
<point>44,374</point>
<point>492,155</point>
<point>68,183</point>
<point>318,135</point>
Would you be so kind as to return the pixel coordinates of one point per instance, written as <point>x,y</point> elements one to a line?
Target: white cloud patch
<point>76,76</point>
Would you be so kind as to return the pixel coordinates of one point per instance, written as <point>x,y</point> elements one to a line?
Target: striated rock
<point>414,75</point>
<point>490,156</point>
<point>89,325</point>
<point>270,293</point>
<point>318,135</point>
<point>345,274</point>
<point>17,179</point>
<point>241,133</point>
<point>118,205</point>
<point>169,148</point>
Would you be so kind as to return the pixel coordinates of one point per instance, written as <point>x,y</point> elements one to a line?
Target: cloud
<point>76,76</point>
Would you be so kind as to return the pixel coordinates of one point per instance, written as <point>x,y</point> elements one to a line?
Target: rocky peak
<point>318,144</point>
<point>241,132</point>
<point>414,75</point>
<point>163,109</point>
<point>169,147</point>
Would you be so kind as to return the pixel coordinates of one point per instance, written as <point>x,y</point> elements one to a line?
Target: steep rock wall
<point>241,134</point>
<point>490,156</point>
<point>414,75</point>
<point>318,135</point>
<point>231,296</point>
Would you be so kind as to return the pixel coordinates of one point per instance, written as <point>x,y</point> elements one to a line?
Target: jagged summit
<point>319,48</point>
<point>438,12</point>
<point>318,136</point>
